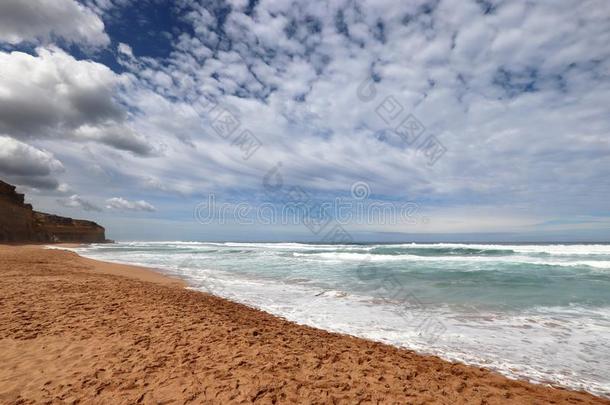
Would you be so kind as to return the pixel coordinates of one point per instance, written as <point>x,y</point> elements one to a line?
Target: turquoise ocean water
<point>534,311</point>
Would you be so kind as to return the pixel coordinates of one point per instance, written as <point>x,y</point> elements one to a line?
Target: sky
<point>458,120</point>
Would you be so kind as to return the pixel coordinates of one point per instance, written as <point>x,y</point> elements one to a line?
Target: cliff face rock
<point>20,223</point>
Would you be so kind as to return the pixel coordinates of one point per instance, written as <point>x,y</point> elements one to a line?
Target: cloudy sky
<point>491,118</point>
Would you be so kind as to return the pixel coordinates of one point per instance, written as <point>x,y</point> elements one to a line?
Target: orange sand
<point>77,330</point>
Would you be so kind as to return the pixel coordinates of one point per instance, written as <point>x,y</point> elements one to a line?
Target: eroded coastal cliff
<point>20,223</point>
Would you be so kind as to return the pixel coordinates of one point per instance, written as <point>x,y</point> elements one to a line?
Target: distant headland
<point>19,223</point>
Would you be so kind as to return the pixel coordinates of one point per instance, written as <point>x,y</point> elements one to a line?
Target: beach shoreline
<point>81,329</point>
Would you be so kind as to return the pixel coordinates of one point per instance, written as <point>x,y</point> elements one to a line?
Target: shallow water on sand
<point>540,312</point>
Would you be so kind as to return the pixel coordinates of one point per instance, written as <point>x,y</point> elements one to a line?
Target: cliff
<point>20,223</point>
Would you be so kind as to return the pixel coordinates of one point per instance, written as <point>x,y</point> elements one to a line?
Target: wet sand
<point>78,330</point>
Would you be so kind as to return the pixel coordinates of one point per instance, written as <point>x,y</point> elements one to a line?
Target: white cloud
<point>22,159</point>
<point>64,98</point>
<point>118,136</point>
<point>27,165</point>
<point>125,49</point>
<point>122,204</point>
<point>46,20</point>
<point>76,201</point>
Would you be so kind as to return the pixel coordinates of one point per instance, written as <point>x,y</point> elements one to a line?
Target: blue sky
<point>492,118</point>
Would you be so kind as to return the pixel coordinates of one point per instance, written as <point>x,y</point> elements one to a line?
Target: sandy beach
<point>77,330</point>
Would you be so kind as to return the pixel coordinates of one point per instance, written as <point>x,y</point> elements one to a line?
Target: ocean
<point>539,312</point>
